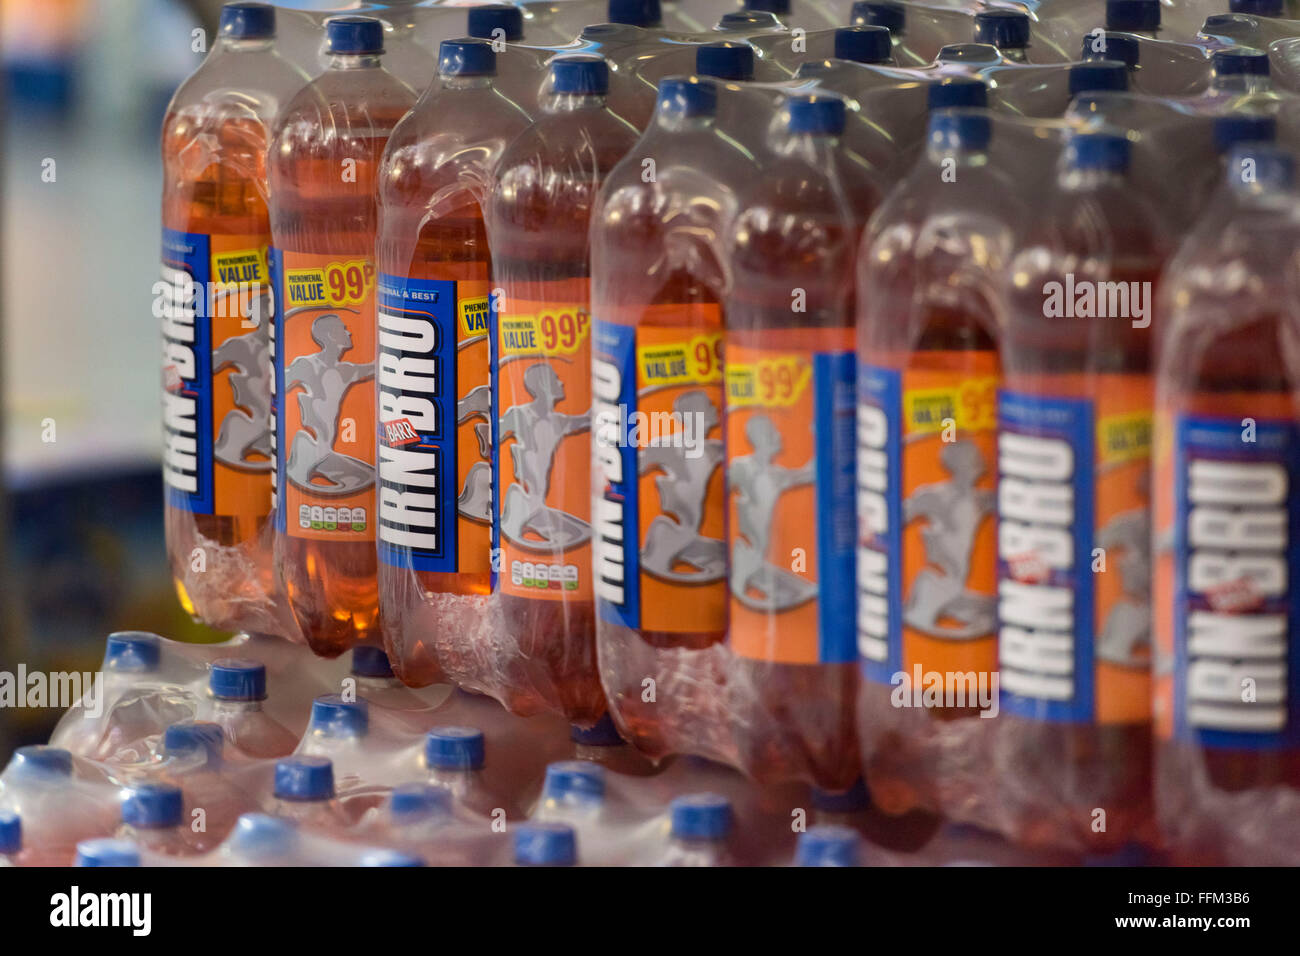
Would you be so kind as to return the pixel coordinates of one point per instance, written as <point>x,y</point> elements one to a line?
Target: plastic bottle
<point>1227,522</point>
<point>545,844</point>
<point>215,308</point>
<point>325,158</point>
<point>602,744</point>
<point>261,840</point>
<point>573,791</point>
<point>105,851</point>
<point>435,566</point>
<point>339,729</point>
<point>416,811</point>
<point>829,845</point>
<point>238,688</point>
<point>153,818</point>
<point>58,808</point>
<point>1008,30</point>
<point>700,826</point>
<point>304,793</point>
<point>928,314</point>
<point>789,424</point>
<point>1139,17</point>
<point>11,838</point>
<point>1074,485</point>
<point>545,187</point>
<point>725,60</point>
<point>864,44</point>
<point>660,558</point>
<point>454,758</point>
<point>192,758</point>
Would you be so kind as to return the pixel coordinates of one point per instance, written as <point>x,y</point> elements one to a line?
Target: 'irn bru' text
<point>1074,567</point>
<point>659,557</point>
<point>325,401</point>
<point>434,418</point>
<point>214,302</point>
<point>927,460</point>
<point>790,487</point>
<point>1230,580</point>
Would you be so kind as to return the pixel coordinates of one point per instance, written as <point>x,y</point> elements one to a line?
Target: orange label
<point>543,381</point>
<point>326,342</point>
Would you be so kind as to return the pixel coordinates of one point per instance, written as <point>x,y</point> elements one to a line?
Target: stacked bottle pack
<point>834,391</point>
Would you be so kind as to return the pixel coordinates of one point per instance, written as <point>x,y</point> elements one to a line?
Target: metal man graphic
<point>538,430</point>
<point>475,500</point>
<point>673,537</point>
<point>246,429</point>
<point>325,380</point>
<point>759,483</point>
<point>1125,638</point>
<point>954,511</point>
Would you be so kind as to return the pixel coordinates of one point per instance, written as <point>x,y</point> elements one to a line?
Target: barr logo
<point>400,432</point>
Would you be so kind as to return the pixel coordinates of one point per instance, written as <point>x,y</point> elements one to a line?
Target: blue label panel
<point>1236,530</point>
<point>835,441</point>
<point>416,436</point>
<point>616,560</point>
<point>1046,449</point>
<point>187,372</point>
<point>880,522</point>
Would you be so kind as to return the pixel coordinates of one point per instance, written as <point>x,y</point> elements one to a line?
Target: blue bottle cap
<point>153,805</point>
<point>1098,76</point>
<point>778,8</point>
<point>304,778</point>
<point>332,716</point>
<point>1004,29</point>
<point>389,858</point>
<point>1114,46</point>
<point>234,678</point>
<point>11,832</point>
<point>960,130</point>
<point>701,816</point>
<point>880,13</point>
<point>418,801</point>
<point>1259,8</point>
<point>637,13</point>
<point>1260,164</point>
<point>816,113</point>
<point>603,733</point>
<point>1240,61</point>
<point>828,845</point>
<point>188,736</point>
<point>748,20</point>
<point>455,58</point>
<point>853,800</point>
<point>263,835</point>
<point>42,759</point>
<point>507,17</point>
<point>454,748</point>
<point>354,36</point>
<point>584,74</point>
<point>579,781</point>
<point>725,60</point>
<point>132,652</point>
<point>545,844</point>
<point>957,91</point>
<point>1133,15</point>
<point>1237,128</point>
<point>1099,150</point>
<point>864,44</point>
<point>107,852</point>
<point>247,21</point>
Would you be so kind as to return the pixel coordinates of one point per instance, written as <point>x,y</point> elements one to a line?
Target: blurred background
<point>85,85</point>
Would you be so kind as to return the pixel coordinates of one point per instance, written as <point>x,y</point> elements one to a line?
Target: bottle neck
<point>1089,179</point>
<point>236,706</point>
<point>963,158</point>
<point>572,102</point>
<point>239,45</point>
<point>812,147</point>
<point>679,122</point>
<point>354,61</point>
<point>1241,83</point>
<point>467,82</point>
<point>1015,55</point>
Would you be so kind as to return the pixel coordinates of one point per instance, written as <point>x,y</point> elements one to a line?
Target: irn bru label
<point>325,370</point>
<point>660,557</point>
<point>435,424</point>
<point>1074,564</point>
<point>1228,580</point>
<point>927,464</point>
<point>543,382</point>
<point>790,486</point>
<point>216,306</point>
